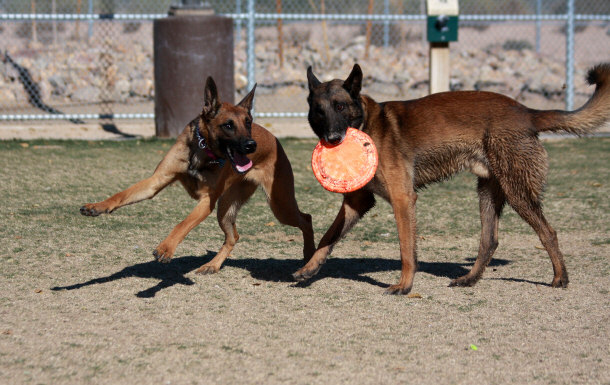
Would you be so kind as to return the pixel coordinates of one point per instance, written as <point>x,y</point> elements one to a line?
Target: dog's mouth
<point>240,162</point>
<point>334,138</point>
<point>334,141</point>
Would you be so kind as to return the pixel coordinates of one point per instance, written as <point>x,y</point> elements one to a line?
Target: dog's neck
<point>202,144</point>
<point>201,157</point>
<point>366,103</point>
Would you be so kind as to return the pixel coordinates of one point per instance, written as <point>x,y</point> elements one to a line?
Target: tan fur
<point>210,183</point>
<point>430,139</point>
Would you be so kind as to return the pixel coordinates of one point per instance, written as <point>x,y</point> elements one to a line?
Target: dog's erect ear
<point>211,104</point>
<point>353,83</point>
<point>248,99</point>
<point>312,79</point>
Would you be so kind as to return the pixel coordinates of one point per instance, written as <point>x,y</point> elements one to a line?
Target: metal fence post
<point>250,45</point>
<point>570,57</point>
<point>386,24</point>
<point>238,21</point>
<point>538,24</point>
<point>90,27</point>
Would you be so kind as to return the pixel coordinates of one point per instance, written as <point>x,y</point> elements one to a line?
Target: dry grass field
<point>82,301</point>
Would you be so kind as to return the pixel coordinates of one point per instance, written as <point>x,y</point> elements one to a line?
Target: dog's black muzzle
<point>335,130</point>
<point>335,138</point>
<point>247,146</point>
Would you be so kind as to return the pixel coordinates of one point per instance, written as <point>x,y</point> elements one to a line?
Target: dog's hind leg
<point>355,205</point>
<point>166,172</point>
<point>280,194</point>
<point>290,215</point>
<point>532,213</point>
<point>144,189</point>
<point>491,203</point>
<point>228,207</point>
<point>521,170</point>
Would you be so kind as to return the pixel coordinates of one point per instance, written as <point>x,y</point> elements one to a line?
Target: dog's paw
<point>560,281</point>
<point>90,210</point>
<point>163,254</point>
<point>398,289</point>
<point>464,281</point>
<point>305,273</point>
<point>207,269</point>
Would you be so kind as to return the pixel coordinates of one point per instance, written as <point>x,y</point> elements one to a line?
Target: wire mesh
<point>93,58</point>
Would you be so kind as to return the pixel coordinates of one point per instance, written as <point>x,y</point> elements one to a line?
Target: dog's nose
<point>334,138</point>
<point>249,146</point>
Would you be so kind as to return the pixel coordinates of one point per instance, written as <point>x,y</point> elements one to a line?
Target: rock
<point>76,71</point>
<point>123,86</point>
<point>86,94</point>
<point>58,84</point>
<point>6,96</point>
<point>290,91</point>
<point>19,94</point>
<point>240,81</point>
<point>142,87</point>
<point>385,89</point>
<point>44,89</point>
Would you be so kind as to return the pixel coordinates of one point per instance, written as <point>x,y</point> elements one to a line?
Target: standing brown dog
<point>221,132</point>
<point>429,139</point>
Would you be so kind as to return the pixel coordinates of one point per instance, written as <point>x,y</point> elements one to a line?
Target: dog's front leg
<point>355,205</point>
<point>403,204</point>
<point>164,252</point>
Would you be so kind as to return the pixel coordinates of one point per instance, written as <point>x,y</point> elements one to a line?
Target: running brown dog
<point>221,132</point>
<point>429,139</point>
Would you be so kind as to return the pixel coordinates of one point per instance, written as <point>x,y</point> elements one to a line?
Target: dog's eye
<point>228,126</point>
<point>248,124</point>
<point>340,106</point>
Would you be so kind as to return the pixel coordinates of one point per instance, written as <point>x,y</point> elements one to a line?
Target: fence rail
<point>569,19</point>
<point>299,16</point>
<point>75,116</point>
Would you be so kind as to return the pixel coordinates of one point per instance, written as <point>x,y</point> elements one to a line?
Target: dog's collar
<point>202,144</point>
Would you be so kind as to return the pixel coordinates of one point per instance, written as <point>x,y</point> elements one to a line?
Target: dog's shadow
<point>275,270</point>
<point>355,269</point>
<point>168,274</point>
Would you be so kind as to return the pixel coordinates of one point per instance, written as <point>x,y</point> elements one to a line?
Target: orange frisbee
<point>347,166</point>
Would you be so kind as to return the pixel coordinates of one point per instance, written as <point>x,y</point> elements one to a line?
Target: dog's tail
<point>595,113</point>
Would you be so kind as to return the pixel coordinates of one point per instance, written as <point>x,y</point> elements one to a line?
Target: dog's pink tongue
<point>242,163</point>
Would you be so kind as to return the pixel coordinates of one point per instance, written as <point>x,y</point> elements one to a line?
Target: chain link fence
<point>92,59</point>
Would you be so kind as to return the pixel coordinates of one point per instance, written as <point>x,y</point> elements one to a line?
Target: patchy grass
<point>83,302</point>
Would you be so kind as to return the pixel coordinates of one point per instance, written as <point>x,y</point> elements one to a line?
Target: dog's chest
<point>203,168</point>
<point>378,188</point>
<point>202,176</point>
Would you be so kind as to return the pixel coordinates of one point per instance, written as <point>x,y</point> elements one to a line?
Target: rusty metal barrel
<point>188,49</point>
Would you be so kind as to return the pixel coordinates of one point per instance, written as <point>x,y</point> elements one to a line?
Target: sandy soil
<point>132,320</point>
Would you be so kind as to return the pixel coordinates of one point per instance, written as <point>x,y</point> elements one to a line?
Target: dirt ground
<point>82,301</point>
